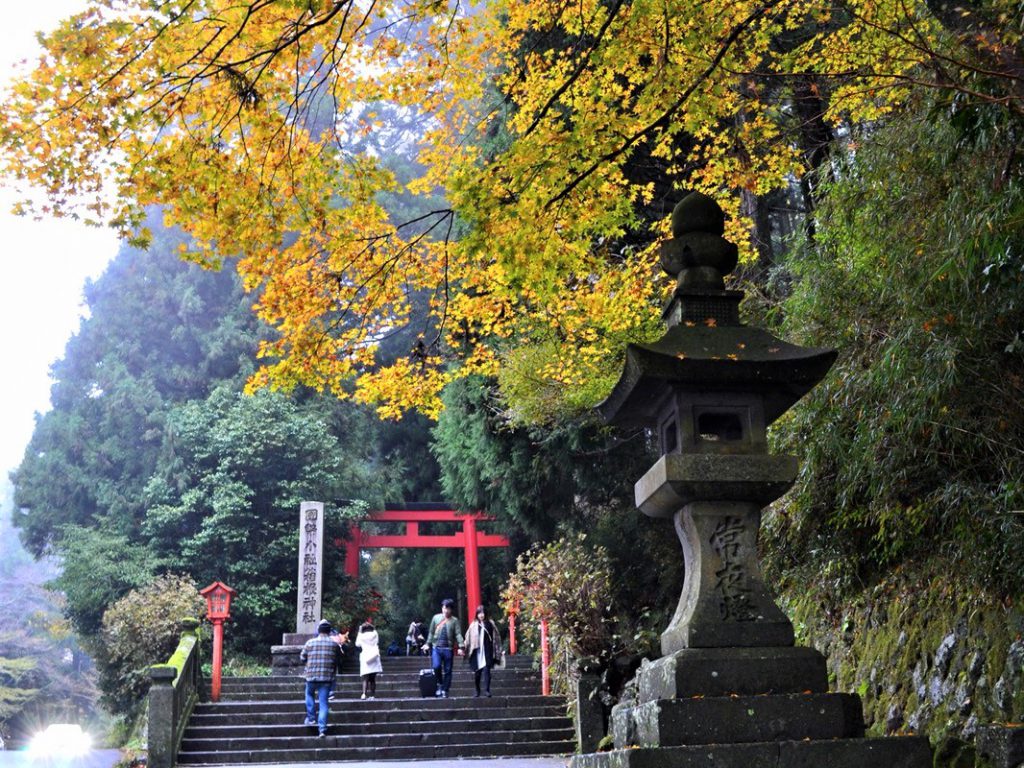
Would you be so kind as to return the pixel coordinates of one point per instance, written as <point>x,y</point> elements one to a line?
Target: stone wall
<point>927,653</point>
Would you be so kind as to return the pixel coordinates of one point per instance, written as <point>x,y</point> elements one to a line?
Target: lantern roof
<point>706,348</point>
<point>217,586</point>
<point>719,359</point>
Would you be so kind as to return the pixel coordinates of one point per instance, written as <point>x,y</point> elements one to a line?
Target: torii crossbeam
<point>469,538</point>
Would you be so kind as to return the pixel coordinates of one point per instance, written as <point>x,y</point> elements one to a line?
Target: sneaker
<point>444,694</point>
<point>488,694</point>
<point>438,694</point>
<point>363,696</point>
<point>309,722</point>
<point>330,696</point>
<point>321,735</point>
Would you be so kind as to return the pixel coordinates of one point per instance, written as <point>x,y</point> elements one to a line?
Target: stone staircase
<point>259,719</point>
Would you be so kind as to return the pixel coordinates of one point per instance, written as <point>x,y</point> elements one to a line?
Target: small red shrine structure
<point>469,538</point>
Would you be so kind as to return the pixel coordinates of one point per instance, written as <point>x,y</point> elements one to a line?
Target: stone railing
<point>173,694</point>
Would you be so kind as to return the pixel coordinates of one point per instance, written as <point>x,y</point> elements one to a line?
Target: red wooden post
<point>545,660</point>
<point>352,552</point>
<point>511,634</point>
<point>218,651</point>
<point>472,568</point>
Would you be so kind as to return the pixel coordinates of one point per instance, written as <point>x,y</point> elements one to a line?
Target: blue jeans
<point>441,661</point>
<point>317,692</point>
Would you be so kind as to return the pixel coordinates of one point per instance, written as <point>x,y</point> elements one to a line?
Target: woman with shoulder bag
<point>482,649</point>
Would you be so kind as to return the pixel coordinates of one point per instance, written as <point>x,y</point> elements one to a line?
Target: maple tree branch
<point>447,296</point>
<point>614,154</point>
<point>577,72</point>
<point>442,215</point>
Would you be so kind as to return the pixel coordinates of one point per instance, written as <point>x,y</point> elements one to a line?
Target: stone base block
<point>589,714</point>
<point>726,671</point>
<point>284,660</point>
<point>895,752</point>
<point>1001,745</point>
<point>743,719</point>
<point>291,638</point>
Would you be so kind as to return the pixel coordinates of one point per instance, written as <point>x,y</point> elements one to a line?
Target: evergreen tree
<point>159,332</point>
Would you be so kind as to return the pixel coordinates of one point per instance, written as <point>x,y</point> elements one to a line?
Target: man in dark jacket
<point>321,655</point>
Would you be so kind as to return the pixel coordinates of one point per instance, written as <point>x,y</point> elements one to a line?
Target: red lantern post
<point>218,608</point>
<point>513,612</point>
<point>545,660</point>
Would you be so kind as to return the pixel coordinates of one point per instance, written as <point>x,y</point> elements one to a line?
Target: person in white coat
<point>369,659</point>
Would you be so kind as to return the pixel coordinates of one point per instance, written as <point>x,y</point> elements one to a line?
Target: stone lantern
<point>730,687</point>
<point>710,387</point>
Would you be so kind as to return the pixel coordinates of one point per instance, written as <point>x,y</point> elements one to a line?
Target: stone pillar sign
<point>311,566</point>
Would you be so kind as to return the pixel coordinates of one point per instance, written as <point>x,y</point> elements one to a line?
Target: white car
<point>60,740</point>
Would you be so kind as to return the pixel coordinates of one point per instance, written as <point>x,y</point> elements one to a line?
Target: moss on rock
<point>927,653</point>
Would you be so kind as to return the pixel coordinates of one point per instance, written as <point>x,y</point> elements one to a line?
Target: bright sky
<point>44,267</point>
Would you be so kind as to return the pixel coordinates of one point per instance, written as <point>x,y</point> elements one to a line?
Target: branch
<point>614,154</point>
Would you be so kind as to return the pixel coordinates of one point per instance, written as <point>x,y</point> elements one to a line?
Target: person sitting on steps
<point>443,637</point>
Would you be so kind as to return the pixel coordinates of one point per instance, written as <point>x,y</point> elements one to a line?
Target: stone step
<point>368,714</point>
<point>333,749</point>
<point>384,691</point>
<point>378,740</point>
<point>518,658</point>
<point>349,726</point>
<point>394,688</point>
<point>285,662</point>
<point>402,703</point>
<point>743,719</point>
<point>384,682</point>
<point>893,752</point>
<point>375,710</point>
<point>260,719</point>
<point>411,677</point>
<point>458,672</point>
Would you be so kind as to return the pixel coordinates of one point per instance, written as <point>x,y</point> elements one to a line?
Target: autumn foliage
<point>243,120</point>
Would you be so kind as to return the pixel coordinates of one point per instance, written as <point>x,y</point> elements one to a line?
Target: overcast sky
<point>45,265</point>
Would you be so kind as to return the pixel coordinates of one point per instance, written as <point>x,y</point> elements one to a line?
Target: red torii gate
<point>470,539</point>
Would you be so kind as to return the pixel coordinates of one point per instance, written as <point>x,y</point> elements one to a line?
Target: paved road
<point>486,762</point>
<point>106,758</point>
<point>97,758</point>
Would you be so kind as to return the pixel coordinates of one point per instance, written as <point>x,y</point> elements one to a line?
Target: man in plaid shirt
<point>321,655</point>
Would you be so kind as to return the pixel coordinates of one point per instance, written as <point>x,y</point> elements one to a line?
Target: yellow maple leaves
<point>248,122</point>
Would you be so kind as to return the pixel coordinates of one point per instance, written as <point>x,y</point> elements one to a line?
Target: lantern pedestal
<point>732,671</point>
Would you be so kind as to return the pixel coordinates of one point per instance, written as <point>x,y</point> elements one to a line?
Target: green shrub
<point>568,583</point>
<point>141,629</point>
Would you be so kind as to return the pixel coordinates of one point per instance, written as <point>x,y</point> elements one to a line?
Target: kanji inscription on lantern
<point>731,585</point>
<point>311,539</point>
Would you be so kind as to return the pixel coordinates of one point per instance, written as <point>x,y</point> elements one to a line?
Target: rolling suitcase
<point>428,683</point>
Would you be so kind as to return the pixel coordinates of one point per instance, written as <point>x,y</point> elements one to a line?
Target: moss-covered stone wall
<point>927,653</point>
